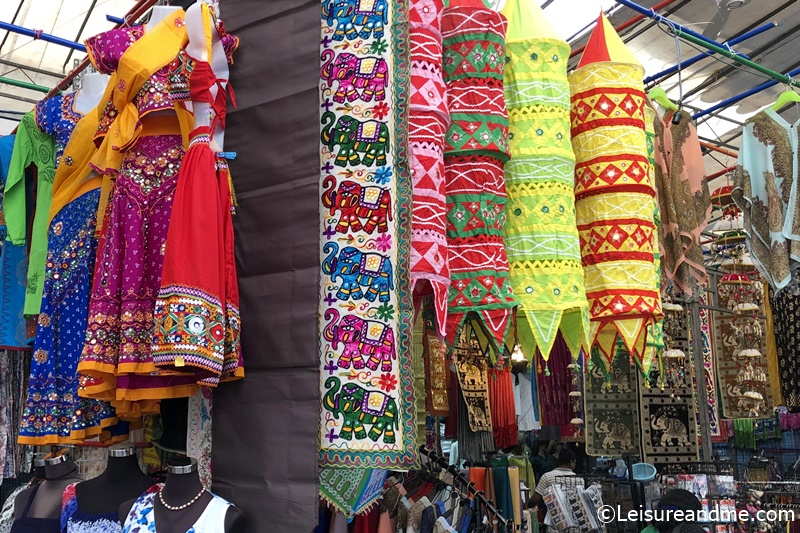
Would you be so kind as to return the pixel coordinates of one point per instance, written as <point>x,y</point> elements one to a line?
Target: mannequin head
<point>58,466</point>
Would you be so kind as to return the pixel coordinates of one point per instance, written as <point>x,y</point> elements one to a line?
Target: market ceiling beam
<point>20,66</point>
<point>18,98</point>
<point>13,19</point>
<point>80,31</point>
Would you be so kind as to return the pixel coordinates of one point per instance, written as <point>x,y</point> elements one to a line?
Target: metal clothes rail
<point>24,84</point>
<point>40,35</point>
<point>700,40</point>
<point>738,98</point>
<point>691,61</point>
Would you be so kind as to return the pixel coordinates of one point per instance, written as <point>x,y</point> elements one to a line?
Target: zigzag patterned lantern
<point>541,236</point>
<point>427,123</point>
<point>476,149</point>
<point>614,194</point>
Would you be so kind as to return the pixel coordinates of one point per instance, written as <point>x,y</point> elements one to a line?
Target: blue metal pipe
<point>42,36</point>
<point>115,20</point>
<point>691,61</point>
<point>740,97</point>
<point>658,18</point>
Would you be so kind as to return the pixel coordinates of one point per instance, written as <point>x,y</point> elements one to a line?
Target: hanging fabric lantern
<point>541,235</point>
<point>614,194</point>
<point>475,151</point>
<point>428,119</point>
<point>721,196</point>
<point>655,331</point>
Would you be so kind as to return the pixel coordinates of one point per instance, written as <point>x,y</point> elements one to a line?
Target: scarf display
<point>541,235</point>
<point>367,417</point>
<point>428,119</point>
<point>614,194</point>
<point>476,149</point>
<point>684,199</point>
<point>612,410</point>
<point>501,401</point>
<point>763,188</point>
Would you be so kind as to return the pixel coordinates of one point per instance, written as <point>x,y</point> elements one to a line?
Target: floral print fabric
<point>75,521</point>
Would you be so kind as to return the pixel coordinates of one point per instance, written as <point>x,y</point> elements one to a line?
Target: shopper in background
<point>554,450</point>
<point>566,467</point>
<point>542,462</point>
<point>674,500</point>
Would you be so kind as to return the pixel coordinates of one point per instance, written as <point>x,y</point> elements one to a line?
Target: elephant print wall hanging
<point>367,414</point>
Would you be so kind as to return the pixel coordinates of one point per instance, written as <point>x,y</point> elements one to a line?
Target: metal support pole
<point>42,36</point>
<point>689,35</point>
<point>24,84</point>
<point>757,89</point>
<point>691,61</point>
<point>700,379</point>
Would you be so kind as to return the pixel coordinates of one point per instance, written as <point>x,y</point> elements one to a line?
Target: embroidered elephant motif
<point>361,339</point>
<point>615,435</point>
<point>354,137</point>
<point>673,431</point>
<point>357,269</point>
<point>369,74</point>
<point>369,15</point>
<point>358,407</point>
<point>356,203</point>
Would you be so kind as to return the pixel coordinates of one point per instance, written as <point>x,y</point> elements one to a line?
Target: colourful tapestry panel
<point>742,367</point>
<point>367,416</point>
<point>614,199</point>
<point>612,414</point>
<point>476,147</point>
<point>541,236</point>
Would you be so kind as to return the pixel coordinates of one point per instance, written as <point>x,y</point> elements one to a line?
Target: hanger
<point>659,96</point>
<point>786,97</point>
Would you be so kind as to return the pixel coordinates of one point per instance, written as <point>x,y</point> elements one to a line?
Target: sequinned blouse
<point>105,51</point>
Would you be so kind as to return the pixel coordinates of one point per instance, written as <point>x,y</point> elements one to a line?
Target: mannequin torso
<point>159,13</point>
<point>121,481</point>
<point>197,49</point>
<point>178,490</point>
<point>47,503</point>
<point>93,86</point>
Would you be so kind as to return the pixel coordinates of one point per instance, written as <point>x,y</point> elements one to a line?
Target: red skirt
<point>196,316</point>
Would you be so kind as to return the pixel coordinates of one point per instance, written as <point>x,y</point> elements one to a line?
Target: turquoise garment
<point>765,188</point>
<point>13,270</point>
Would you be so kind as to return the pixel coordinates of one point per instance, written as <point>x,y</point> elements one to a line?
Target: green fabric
<point>526,473</point>
<point>655,332</point>
<point>541,233</point>
<point>744,433</point>
<point>32,146</point>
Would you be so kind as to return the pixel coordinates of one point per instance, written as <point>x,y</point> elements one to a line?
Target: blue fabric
<point>57,117</point>
<point>535,396</point>
<point>53,409</point>
<point>13,271</point>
